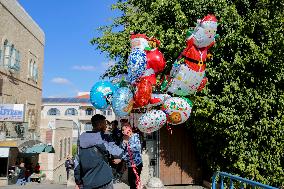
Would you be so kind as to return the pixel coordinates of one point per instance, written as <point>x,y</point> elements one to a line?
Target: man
<point>91,168</point>
<point>116,133</point>
<point>68,166</point>
<point>21,177</point>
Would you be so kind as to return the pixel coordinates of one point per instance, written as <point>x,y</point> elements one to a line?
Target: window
<point>30,68</point>
<point>33,70</point>
<point>65,147</point>
<point>11,57</point>
<point>53,111</point>
<point>60,154</point>
<point>6,53</point>
<point>89,111</point>
<point>71,111</point>
<point>105,112</point>
<point>88,127</point>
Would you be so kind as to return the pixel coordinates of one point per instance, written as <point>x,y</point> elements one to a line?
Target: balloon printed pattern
<point>152,121</point>
<point>122,102</point>
<point>144,63</point>
<point>101,94</point>
<point>177,109</point>
<point>186,81</point>
<point>136,64</point>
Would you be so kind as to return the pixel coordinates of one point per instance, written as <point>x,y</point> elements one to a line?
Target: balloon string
<point>138,180</point>
<point>169,129</point>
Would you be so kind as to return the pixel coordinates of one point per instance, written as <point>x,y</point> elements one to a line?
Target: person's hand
<point>116,161</point>
<point>77,186</point>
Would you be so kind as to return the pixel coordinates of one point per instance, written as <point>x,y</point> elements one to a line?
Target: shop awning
<point>4,152</point>
<point>39,148</point>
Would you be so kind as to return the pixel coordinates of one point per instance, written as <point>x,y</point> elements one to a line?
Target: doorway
<point>178,161</point>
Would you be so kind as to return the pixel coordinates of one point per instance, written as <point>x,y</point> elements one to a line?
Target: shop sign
<point>12,112</point>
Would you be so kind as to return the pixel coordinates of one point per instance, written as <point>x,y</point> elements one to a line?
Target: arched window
<point>89,111</point>
<point>71,111</point>
<point>53,111</point>
<point>88,127</point>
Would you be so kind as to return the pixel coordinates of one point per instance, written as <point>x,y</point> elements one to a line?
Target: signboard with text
<point>12,112</point>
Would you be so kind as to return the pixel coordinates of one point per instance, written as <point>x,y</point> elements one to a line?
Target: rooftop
<point>66,100</point>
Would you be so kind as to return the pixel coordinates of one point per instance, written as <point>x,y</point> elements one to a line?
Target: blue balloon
<point>122,102</point>
<point>101,94</point>
<point>136,64</point>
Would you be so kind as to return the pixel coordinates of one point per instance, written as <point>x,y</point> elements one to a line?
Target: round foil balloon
<point>136,64</point>
<point>186,81</point>
<point>101,94</point>
<point>122,102</point>
<point>177,109</point>
<point>152,121</point>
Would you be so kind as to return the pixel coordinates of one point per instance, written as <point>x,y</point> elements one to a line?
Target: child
<point>132,154</point>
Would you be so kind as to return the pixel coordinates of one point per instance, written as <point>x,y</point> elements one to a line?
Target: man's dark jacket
<point>91,169</point>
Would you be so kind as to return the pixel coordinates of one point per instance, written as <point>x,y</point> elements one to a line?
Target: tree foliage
<point>238,119</point>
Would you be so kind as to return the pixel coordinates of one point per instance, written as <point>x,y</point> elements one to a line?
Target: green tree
<point>238,119</point>
<point>74,150</point>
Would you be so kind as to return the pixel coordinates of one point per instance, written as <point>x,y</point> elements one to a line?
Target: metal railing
<point>241,182</point>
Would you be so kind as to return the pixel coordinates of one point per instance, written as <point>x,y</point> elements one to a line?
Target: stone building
<point>21,66</point>
<point>78,109</point>
<point>59,135</point>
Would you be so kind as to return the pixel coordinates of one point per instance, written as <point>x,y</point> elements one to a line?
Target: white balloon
<point>177,109</point>
<point>152,121</point>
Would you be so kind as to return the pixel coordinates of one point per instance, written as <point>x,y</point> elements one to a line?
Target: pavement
<point>64,186</point>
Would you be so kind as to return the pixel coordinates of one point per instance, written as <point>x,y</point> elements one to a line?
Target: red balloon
<point>155,60</point>
<point>143,93</point>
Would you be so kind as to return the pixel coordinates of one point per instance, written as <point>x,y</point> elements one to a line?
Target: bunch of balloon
<point>188,72</point>
<point>144,62</point>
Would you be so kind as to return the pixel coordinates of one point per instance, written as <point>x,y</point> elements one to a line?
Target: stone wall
<point>19,29</point>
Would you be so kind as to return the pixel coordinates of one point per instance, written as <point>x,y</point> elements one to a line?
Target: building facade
<point>59,135</point>
<point>21,66</point>
<point>78,109</point>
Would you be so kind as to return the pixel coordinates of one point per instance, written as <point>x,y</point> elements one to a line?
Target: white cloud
<point>84,68</point>
<point>60,80</point>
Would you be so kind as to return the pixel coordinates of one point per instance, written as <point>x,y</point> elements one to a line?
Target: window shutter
<point>35,72</point>
<point>0,56</point>
<point>6,54</point>
<point>17,65</point>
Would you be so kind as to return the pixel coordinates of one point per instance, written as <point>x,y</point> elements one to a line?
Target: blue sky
<point>71,63</point>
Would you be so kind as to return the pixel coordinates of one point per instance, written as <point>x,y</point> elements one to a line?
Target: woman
<point>132,154</point>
